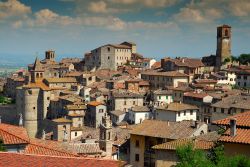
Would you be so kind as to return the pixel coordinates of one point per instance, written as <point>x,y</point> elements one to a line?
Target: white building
<point>137,114</point>
<point>162,97</point>
<point>176,112</point>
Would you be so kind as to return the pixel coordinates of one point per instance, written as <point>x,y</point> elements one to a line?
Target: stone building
<point>152,132</point>
<point>163,79</point>
<point>109,56</point>
<point>123,100</point>
<point>192,67</point>
<point>176,112</point>
<point>95,112</point>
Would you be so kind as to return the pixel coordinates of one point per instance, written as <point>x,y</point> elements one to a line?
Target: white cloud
<point>239,8</point>
<point>98,7</point>
<point>12,8</point>
<point>146,3</point>
<point>202,11</point>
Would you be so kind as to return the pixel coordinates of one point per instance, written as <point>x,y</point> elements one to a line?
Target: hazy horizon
<point>160,28</point>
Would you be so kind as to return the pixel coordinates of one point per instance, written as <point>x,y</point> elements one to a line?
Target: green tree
<point>2,148</point>
<point>189,157</point>
<point>244,59</point>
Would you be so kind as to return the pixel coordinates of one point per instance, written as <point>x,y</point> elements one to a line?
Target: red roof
<point>196,95</point>
<point>242,120</point>
<point>47,147</point>
<point>11,134</point>
<point>17,160</point>
<point>242,136</point>
<point>156,65</point>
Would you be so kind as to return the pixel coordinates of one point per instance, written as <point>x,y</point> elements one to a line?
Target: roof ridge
<point>16,135</point>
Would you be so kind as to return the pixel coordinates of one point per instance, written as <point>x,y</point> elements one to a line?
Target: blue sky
<point>159,27</point>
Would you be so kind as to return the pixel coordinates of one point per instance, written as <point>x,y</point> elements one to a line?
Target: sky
<point>160,28</point>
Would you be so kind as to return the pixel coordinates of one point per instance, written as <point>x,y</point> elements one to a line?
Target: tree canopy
<point>189,157</point>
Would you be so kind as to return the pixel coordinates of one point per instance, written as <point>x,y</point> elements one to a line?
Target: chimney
<point>0,119</point>
<point>232,127</point>
<point>196,124</point>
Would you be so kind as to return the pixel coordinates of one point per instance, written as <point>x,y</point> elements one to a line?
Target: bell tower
<point>223,44</point>
<point>106,141</point>
<point>37,72</point>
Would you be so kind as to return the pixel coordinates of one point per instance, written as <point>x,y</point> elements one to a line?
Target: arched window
<point>226,32</point>
<point>37,75</point>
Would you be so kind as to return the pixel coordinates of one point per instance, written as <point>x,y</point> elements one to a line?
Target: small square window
<point>137,144</point>
<point>137,158</point>
<point>184,113</point>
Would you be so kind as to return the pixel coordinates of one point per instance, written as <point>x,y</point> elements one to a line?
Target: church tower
<point>50,55</point>
<point>106,141</point>
<point>223,44</point>
<point>37,72</point>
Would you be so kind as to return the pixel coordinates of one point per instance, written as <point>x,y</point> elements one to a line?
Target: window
<point>75,133</point>
<point>108,57</point>
<point>125,103</point>
<point>242,110</point>
<point>137,144</point>
<point>179,114</point>
<point>47,98</point>
<point>108,49</point>
<point>34,108</point>
<point>245,77</point>
<point>137,158</point>
<point>238,83</point>
<point>245,84</point>
<point>100,110</point>
<point>226,32</point>
<point>222,110</point>
<point>133,102</point>
<point>184,113</point>
<point>160,97</point>
<point>214,109</point>
<point>191,112</point>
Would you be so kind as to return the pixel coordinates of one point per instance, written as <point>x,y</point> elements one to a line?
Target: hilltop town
<point>115,107</point>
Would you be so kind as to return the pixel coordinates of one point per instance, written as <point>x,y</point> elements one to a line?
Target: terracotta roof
<point>37,84</point>
<point>47,147</point>
<point>61,80</point>
<point>117,112</point>
<point>75,115</point>
<point>84,148</point>
<point>234,101</point>
<point>156,65</point>
<point>123,94</point>
<point>186,62</point>
<point>62,120</point>
<point>242,136</point>
<point>173,145</point>
<point>144,83</point>
<point>205,81</point>
<point>11,134</point>
<point>76,128</point>
<point>177,107</point>
<point>167,74</point>
<point>75,107</point>
<point>163,92</point>
<point>196,95</point>
<point>95,103</point>
<point>169,130</point>
<point>17,160</point>
<point>140,109</point>
<point>242,120</point>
